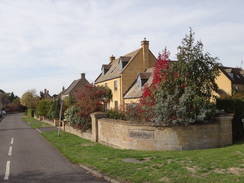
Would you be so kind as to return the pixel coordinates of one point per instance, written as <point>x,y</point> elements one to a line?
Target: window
<point>115,85</point>
<point>236,87</point>
<point>231,75</point>
<point>139,84</point>
<point>116,105</point>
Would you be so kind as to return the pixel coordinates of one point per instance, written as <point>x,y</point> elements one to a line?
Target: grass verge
<point>34,123</point>
<point>213,165</point>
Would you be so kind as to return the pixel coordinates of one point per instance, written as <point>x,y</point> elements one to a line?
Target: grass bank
<point>34,123</point>
<point>212,165</point>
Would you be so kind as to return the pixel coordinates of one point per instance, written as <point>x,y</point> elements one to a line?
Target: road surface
<point>25,156</point>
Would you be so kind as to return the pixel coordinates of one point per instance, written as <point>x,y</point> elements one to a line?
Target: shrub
<point>53,112</point>
<point>43,107</point>
<point>74,120</point>
<point>116,114</point>
<point>228,105</point>
<point>235,106</point>
<point>183,93</point>
<point>30,112</point>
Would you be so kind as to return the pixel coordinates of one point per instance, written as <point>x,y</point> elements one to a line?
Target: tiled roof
<point>133,91</point>
<point>71,87</point>
<point>76,84</point>
<point>113,67</point>
<point>236,75</point>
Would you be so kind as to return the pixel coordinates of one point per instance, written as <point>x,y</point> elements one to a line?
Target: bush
<point>30,112</point>
<point>53,112</point>
<point>228,105</point>
<point>74,120</point>
<point>115,114</point>
<point>43,107</point>
<point>235,106</point>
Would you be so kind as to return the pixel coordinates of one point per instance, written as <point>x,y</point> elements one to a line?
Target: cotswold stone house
<point>75,86</point>
<point>230,81</point>
<point>120,73</point>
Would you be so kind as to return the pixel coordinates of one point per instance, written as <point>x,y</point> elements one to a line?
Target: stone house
<point>133,95</point>
<point>230,81</point>
<point>45,94</point>
<point>120,73</point>
<point>75,86</point>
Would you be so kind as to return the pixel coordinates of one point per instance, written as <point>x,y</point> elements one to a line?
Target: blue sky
<point>46,44</point>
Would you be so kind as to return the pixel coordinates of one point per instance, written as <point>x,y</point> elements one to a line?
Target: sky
<point>46,44</point>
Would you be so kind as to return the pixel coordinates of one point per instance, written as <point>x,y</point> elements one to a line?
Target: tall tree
<point>30,99</point>
<point>184,94</point>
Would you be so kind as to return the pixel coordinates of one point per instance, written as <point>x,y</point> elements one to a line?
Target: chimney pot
<point>83,75</point>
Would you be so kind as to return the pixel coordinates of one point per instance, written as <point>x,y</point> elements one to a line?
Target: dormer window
<point>231,75</point>
<point>122,62</point>
<point>142,79</point>
<point>105,69</point>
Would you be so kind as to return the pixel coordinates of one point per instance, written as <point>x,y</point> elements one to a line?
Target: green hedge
<point>30,112</point>
<point>235,106</point>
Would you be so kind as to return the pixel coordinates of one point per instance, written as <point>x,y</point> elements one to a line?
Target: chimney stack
<point>112,58</point>
<point>83,75</point>
<point>145,50</point>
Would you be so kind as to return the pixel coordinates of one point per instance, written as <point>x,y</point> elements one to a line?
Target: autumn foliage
<point>89,99</point>
<point>148,98</point>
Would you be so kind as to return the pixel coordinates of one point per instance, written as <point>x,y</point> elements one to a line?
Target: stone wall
<point>125,135</point>
<point>70,129</point>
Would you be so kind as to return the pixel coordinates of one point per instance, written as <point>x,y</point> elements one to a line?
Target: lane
<point>29,158</point>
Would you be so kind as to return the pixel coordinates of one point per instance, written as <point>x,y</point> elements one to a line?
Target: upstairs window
<point>115,85</point>
<point>116,105</point>
<point>123,62</point>
<point>105,69</point>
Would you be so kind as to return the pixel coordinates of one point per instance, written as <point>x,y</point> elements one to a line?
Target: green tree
<point>184,95</point>
<point>30,99</point>
<point>43,107</point>
<point>53,112</point>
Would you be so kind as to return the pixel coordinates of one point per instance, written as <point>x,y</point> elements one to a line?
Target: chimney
<point>83,75</point>
<point>45,90</point>
<point>63,88</point>
<point>145,50</point>
<point>112,58</point>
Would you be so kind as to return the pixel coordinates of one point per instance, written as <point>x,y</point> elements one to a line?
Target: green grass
<point>40,125</point>
<point>212,165</point>
<point>36,123</point>
<point>29,119</point>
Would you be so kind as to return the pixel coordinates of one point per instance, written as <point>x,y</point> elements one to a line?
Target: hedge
<point>236,107</point>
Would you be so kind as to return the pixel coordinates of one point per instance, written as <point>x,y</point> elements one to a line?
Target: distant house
<point>230,81</point>
<point>45,94</point>
<point>76,85</point>
<point>120,73</point>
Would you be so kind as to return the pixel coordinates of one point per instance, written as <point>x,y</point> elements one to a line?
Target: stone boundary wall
<point>70,129</point>
<point>67,128</point>
<point>126,135</point>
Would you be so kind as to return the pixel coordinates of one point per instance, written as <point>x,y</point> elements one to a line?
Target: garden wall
<point>126,135</point>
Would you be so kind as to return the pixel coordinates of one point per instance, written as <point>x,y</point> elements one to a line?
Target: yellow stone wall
<point>131,71</point>
<point>224,83</point>
<point>116,94</point>
<point>126,135</point>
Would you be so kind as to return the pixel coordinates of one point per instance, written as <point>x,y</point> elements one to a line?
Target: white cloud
<point>48,43</point>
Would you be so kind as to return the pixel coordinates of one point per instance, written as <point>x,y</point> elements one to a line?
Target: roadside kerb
<point>99,174</point>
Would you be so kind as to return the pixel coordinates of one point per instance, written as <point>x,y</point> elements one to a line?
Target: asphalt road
<point>25,156</point>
